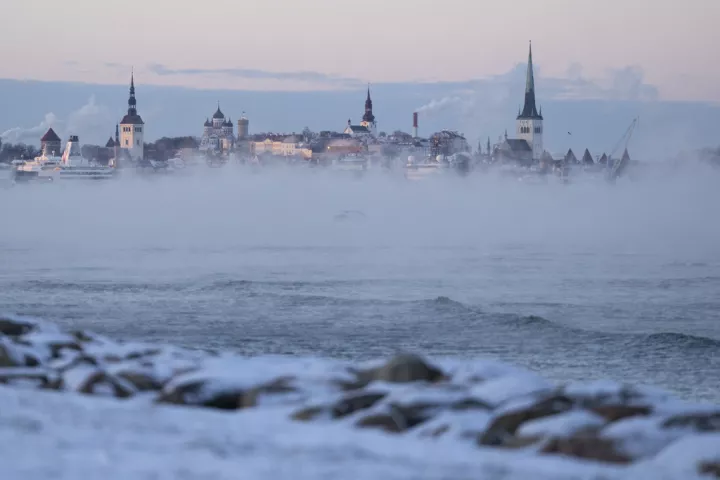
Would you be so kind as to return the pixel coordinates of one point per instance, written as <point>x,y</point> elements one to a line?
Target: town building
<point>527,147</point>
<point>132,129</point>
<point>50,143</point>
<point>368,126</point>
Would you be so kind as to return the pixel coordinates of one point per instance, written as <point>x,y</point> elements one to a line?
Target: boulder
<point>562,425</point>
<point>394,418</point>
<point>355,402</point>
<point>393,421</point>
<point>613,413</point>
<point>587,447</point>
<point>463,424</point>
<point>143,381</point>
<point>504,426</point>
<point>710,468</point>
<point>404,368</point>
<point>14,328</point>
<point>39,377</point>
<point>201,392</point>
<point>10,354</point>
<point>708,421</point>
<point>251,396</point>
<point>309,413</point>
<point>89,379</point>
<point>220,393</point>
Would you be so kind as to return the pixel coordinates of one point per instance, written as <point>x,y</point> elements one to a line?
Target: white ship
<point>41,168</point>
<point>74,166</point>
<point>427,167</point>
<point>352,162</point>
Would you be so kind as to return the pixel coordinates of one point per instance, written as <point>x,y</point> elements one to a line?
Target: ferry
<point>427,167</point>
<point>41,168</point>
<point>351,162</point>
<point>76,167</point>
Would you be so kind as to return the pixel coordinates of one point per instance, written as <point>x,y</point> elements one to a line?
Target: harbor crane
<point>618,167</point>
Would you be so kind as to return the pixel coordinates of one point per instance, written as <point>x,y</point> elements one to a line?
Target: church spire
<point>368,117</point>
<point>530,79</point>
<point>132,102</point>
<point>529,109</point>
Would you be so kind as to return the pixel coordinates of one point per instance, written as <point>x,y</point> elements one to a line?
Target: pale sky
<point>675,43</point>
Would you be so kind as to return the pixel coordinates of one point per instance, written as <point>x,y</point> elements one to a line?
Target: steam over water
<point>579,281</point>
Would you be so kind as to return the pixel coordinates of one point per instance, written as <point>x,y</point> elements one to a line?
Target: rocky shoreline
<point>486,403</point>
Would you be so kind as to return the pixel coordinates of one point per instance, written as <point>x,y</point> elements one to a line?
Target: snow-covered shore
<point>77,405</point>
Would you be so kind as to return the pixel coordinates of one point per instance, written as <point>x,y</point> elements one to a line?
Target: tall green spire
<point>530,80</point>
<point>529,110</point>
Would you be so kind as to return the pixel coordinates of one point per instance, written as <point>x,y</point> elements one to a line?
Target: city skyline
<point>297,48</point>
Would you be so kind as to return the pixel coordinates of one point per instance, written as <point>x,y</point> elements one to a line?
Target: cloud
<point>627,83</point>
<point>91,120</point>
<point>22,135</point>
<point>491,95</point>
<point>248,73</point>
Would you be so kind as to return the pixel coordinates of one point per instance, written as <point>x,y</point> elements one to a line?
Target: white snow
<point>562,424</point>
<point>68,437</point>
<point>501,389</point>
<point>64,435</point>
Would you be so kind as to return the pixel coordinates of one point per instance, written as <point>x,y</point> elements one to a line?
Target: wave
<point>318,299</point>
<point>680,341</point>
<point>103,287</point>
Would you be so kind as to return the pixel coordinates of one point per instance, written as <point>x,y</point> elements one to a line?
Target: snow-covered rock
<point>519,421</point>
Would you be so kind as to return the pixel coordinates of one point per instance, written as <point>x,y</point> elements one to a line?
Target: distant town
<point>355,145</point>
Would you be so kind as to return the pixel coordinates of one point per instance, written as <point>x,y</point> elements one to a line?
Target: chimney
<point>415,125</point>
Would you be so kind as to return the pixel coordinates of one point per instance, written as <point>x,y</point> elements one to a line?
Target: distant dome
<point>207,123</point>
<point>218,115</point>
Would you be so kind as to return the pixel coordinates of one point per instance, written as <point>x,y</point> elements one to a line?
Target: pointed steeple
<point>529,110</point>
<point>488,145</point>
<point>530,78</point>
<point>368,117</point>
<point>132,117</point>
<point>132,102</point>
<point>117,134</point>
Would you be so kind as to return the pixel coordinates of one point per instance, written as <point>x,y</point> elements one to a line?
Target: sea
<point>577,282</point>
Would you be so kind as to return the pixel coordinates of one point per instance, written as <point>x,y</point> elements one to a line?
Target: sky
<point>325,44</point>
<point>287,65</point>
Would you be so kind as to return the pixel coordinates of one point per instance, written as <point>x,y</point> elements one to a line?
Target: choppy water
<point>577,282</point>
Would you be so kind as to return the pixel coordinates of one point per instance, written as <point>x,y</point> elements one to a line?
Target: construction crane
<point>617,167</point>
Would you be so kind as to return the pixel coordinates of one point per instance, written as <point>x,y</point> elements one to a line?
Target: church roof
<point>358,129</point>
<point>130,119</point>
<point>110,143</point>
<point>570,157</point>
<point>529,110</point>
<point>218,114</point>
<point>50,136</point>
<point>518,145</point>
<point>587,158</point>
